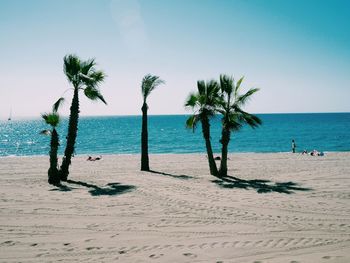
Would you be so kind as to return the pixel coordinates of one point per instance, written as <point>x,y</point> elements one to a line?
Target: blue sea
<point>168,134</point>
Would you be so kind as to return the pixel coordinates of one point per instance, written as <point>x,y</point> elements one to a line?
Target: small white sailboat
<point>10,116</point>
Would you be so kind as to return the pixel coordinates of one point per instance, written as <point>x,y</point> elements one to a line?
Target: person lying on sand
<point>316,153</point>
<point>94,158</point>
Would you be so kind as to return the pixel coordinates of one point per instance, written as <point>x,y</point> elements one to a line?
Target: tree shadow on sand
<point>62,188</point>
<point>182,176</point>
<point>109,189</point>
<point>261,186</point>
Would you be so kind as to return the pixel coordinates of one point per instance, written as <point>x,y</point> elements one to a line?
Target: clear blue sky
<point>296,51</point>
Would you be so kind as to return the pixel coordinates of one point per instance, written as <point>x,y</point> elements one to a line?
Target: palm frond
<point>201,86</point>
<point>71,67</point>
<point>57,104</point>
<point>234,122</point>
<point>45,132</point>
<point>242,99</point>
<point>149,83</point>
<point>87,66</point>
<point>94,94</point>
<point>98,76</point>
<point>252,120</point>
<point>93,79</point>
<point>192,100</point>
<point>238,84</point>
<point>52,119</point>
<point>226,84</point>
<point>248,118</point>
<point>192,121</point>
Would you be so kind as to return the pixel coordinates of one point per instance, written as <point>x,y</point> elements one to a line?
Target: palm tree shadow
<point>261,186</point>
<point>182,176</point>
<point>110,189</point>
<point>62,188</point>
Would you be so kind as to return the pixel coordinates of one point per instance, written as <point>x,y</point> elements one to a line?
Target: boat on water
<point>10,116</point>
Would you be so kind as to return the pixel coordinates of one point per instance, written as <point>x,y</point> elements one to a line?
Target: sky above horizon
<point>296,51</point>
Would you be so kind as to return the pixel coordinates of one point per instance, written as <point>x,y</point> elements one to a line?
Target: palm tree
<point>234,117</point>
<point>52,119</point>
<point>83,76</point>
<point>204,104</point>
<point>149,83</point>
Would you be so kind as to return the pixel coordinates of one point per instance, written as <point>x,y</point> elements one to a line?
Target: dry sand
<point>115,213</point>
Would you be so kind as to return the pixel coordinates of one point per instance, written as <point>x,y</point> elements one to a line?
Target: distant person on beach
<point>294,146</point>
<point>94,158</point>
<point>316,153</point>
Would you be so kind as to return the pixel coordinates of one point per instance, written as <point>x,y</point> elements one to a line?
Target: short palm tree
<point>234,117</point>
<point>83,76</point>
<point>149,83</point>
<point>52,119</point>
<point>204,104</point>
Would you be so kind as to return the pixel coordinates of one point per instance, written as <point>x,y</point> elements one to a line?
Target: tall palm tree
<point>149,83</point>
<point>234,117</point>
<point>83,76</point>
<point>52,119</point>
<point>204,104</point>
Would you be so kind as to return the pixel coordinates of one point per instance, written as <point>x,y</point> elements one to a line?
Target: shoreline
<point>156,154</point>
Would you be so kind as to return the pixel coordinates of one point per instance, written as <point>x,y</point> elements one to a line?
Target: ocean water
<point>167,134</point>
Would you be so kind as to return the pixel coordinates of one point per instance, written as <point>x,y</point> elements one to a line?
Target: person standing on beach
<point>294,146</point>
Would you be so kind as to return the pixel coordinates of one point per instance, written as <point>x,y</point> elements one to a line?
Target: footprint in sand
<point>190,255</point>
<point>156,256</point>
<point>9,243</point>
<point>93,248</point>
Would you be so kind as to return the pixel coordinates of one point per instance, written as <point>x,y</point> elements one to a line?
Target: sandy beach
<point>279,207</point>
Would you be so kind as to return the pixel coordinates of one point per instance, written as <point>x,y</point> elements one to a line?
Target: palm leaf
<point>192,100</point>
<point>192,121</point>
<point>94,94</point>
<point>252,120</point>
<point>239,82</point>
<point>52,119</point>
<point>86,66</point>
<point>93,79</point>
<point>233,123</point>
<point>45,132</point>
<point>201,86</point>
<point>57,104</point>
<point>71,67</point>
<point>242,99</point>
<point>226,84</point>
<point>149,83</point>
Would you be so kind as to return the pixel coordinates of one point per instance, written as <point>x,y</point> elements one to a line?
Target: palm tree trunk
<point>54,178</point>
<point>225,139</point>
<point>144,139</point>
<point>206,134</point>
<point>71,137</point>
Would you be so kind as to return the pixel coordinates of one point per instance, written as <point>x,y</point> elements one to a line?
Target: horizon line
<point>176,114</point>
